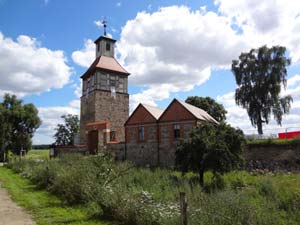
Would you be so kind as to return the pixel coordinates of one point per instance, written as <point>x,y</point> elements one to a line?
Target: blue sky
<point>171,48</point>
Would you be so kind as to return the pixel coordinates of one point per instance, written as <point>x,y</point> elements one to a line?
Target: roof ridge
<point>204,113</point>
<point>150,106</point>
<point>150,109</point>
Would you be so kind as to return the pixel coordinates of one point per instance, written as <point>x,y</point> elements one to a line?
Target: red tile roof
<point>105,63</point>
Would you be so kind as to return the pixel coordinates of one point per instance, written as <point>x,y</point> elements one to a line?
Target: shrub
<point>266,188</point>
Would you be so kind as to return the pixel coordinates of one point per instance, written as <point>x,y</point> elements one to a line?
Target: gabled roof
<point>153,111</point>
<point>197,112</point>
<point>105,63</point>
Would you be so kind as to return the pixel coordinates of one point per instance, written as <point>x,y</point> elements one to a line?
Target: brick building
<point>152,134</point>
<point>105,99</point>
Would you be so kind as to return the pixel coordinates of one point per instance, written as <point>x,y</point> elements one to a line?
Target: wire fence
<point>271,132</point>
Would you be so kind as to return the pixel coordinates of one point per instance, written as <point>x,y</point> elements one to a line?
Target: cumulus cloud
<point>85,56</point>
<point>98,23</point>
<point>238,117</point>
<point>27,68</point>
<point>78,89</point>
<point>175,48</point>
<point>50,117</point>
<point>272,22</point>
<point>293,81</point>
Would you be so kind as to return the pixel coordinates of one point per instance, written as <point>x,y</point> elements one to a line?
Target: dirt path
<point>10,212</point>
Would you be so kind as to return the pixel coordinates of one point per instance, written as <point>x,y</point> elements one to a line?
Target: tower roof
<point>105,63</point>
<point>105,38</point>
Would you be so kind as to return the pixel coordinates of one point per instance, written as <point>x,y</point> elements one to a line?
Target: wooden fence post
<point>183,209</point>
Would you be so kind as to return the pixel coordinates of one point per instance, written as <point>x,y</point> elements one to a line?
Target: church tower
<point>105,99</point>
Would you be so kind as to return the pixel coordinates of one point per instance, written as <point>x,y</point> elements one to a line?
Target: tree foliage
<point>18,124</point>
<point>65,133</point>
<point>259,75</point>
<point>215,148</point>
<point>208,104</point>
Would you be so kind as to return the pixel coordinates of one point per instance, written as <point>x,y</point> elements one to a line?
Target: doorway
<point>93,141</point>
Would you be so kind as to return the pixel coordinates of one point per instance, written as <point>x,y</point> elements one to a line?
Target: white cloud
<point>238,117</point>
<point>119,4</point>
<point>85,56</point>
<point>78,89</point>
<point>50,117</point>
<point>98,23</point>
<point>293,80</point>
<point>175,47</point>
<point>75,103</point>
<point>272,22</point>
<point>27,68</point>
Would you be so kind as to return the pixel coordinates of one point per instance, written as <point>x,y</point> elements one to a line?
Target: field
<point>38,154</point>
<point>98,187</point>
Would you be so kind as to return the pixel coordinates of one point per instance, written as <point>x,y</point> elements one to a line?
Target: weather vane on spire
<point>104,23</point>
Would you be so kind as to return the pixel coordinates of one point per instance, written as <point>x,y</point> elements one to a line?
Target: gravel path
<point>11,213</point>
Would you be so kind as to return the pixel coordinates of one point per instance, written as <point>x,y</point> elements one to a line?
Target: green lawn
<point>43,206</point>
<point>38,154</point>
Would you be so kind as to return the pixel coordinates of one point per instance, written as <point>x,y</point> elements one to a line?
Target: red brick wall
<point>176,112</point>
<point>140,116</point>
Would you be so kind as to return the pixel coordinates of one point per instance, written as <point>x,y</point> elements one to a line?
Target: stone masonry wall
<point>142,153</point>
<point>273,157</point>
<point>115,110</point>
<point>87,114</point>
<point>102,106</point>
<point>151,151</point>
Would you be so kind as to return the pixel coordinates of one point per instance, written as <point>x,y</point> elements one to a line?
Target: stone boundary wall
<point>116,150</point>
<point>272,157</point>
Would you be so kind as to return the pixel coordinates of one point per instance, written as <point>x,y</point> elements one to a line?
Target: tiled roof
<point>197,112</point>
<point>106,63</point>
<point>155,112</point>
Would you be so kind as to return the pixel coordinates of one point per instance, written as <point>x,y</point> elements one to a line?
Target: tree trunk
<point>259,126</point>
<point>201,177</point>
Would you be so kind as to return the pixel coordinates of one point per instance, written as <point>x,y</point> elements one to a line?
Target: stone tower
<point>105,98</point>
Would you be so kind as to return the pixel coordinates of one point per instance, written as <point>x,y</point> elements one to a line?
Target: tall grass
<point>143,196</point>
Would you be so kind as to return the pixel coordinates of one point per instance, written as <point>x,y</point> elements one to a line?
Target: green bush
<point>266,188</point>
<point>271,142</point>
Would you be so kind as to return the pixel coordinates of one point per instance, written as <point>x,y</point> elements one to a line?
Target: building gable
<point>176,112</point>
<point>140,116</point>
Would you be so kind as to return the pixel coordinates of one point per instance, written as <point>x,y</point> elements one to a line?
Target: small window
<point>98,47</point>
<point>141,133</point>
<point>176,128</point>
<point>113,136</point>
<point>112,83</point>
<point>107,47</point>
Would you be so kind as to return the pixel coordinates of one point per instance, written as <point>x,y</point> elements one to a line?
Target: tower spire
<point>104,22</point>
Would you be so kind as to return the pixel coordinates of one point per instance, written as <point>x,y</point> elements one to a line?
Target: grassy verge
<point>43,206</point>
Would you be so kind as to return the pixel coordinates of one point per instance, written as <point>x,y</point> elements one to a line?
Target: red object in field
<point>289,135</point>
